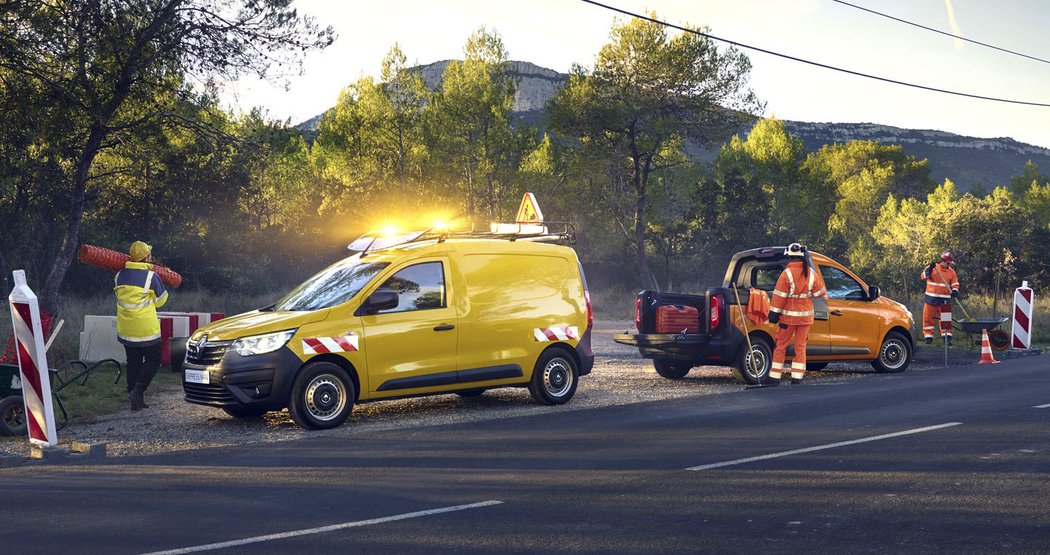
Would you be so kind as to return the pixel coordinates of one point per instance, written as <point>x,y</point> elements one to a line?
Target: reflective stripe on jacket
<point>937,291</point>
<point>794,294</point>
<point>139,293</point>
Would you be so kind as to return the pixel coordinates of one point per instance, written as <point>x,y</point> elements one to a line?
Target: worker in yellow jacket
<point>139,292</point>
<point>792,311</point>
<point>942,284</point>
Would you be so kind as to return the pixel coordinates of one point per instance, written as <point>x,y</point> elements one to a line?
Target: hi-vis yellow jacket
<point>139,293</point>
<point>794,294</point>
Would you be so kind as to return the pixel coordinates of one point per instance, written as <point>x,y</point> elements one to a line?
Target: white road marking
<point>822,447</point>
<point>322,529</point>
<point>1041,407</point>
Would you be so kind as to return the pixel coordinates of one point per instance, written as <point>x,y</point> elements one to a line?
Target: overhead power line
<point>812,63</point>
<point>953,35</point>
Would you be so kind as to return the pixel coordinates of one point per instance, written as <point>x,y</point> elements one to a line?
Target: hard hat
<point>795,249</point>
<point>947,257</point>
<point>139,251</point>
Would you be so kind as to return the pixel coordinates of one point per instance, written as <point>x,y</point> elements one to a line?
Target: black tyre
<point>12,416</point>
<point>554,378</point>
<point>815,366</point>
<point>244,413</point>
<point>322,396</point>
<point>672,369</point>
<point>471,392</point>
<point>752,367</point>
<point>894,354</point>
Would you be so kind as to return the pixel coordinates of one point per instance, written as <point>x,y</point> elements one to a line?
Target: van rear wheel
<point>554,378</point>
<point>12,416</point>
<point>322,396</point>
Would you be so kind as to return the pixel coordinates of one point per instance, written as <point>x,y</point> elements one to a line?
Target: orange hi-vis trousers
<point>798,363</point>
<point>936,312</point>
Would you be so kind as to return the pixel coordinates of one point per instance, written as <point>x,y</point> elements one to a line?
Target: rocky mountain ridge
<point>970,162</point>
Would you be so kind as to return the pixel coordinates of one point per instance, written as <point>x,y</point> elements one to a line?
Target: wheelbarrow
<point>997,338</point>
<point>12,407</point>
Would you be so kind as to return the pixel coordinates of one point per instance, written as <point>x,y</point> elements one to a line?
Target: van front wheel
<point>554,378</point>
<point>322,396</point>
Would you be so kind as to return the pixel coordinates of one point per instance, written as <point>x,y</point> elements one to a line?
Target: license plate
<point>197,376</point>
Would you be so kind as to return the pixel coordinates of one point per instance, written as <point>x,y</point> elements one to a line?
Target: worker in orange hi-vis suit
<point>792,312</point>
<point>942,284</point>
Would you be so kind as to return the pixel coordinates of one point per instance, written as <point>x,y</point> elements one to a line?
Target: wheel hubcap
<point>893,354</point>
<point>557,377</point>
<point>756,363</point>
<point>325,397</point>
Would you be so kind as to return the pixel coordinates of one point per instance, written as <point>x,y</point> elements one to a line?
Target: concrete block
<point>52,454</point>
<point>93,450</point>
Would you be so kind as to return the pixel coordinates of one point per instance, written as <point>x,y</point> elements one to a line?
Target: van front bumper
<point>258,381</point>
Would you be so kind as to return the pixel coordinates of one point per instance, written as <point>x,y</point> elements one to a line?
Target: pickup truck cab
<point>854,322</point>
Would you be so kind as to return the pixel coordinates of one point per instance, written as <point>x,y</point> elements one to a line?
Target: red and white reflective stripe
<point>556,334</point>
<point>1022,327</point>
<point>321,345</point>
<point>32,364</point>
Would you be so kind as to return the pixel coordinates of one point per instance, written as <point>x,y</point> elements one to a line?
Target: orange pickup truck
<point>854,322</point>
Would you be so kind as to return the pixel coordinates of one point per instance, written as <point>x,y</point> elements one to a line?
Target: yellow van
<point>421,314</point>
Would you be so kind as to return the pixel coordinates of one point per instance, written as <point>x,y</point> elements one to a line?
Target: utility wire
<point>913,24</point>
<point>817,64</point>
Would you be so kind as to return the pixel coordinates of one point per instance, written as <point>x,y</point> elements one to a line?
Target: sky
<point>559,33</point>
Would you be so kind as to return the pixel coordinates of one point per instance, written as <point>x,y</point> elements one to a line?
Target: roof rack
<point>555,232</point>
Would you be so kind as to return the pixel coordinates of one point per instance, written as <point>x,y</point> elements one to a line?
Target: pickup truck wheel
<point>554,378</point>
<point>322,396</point>
<point>754,366</point>
<point>894,354</point>
<point>671,369</point>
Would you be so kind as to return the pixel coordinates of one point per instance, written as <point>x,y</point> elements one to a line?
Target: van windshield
<point>334,285</point>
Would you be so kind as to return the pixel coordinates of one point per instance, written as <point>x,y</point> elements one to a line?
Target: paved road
<point>945,462</point>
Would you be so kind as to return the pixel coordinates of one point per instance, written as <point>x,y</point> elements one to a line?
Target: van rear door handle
<point>445,327</point>
<point>837,312</point>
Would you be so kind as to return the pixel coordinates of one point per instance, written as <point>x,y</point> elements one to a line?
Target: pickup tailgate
<point>715,342</point>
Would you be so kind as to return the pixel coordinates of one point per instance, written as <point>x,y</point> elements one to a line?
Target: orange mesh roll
<point>113,260</point>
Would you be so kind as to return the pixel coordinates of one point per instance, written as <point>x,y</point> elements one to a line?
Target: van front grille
<point>206,353</point>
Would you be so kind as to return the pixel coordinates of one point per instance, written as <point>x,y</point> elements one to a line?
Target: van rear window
<point>332,286</point>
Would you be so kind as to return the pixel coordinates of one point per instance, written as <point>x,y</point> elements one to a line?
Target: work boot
<point>137,397</point>
<point>929,340</point>
<point>948,340</point>
<point>796,381</point>
<point>770,382</point>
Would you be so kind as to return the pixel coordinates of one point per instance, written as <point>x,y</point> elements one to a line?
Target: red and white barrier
<point>1022,328</point>
<point>32,363</point>
<point>99,339</point>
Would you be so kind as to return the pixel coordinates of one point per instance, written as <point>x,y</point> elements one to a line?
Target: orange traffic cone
<point>986,350</point>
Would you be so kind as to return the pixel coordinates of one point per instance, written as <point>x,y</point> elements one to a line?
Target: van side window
<point>841,286</point>
<point>419,287</point>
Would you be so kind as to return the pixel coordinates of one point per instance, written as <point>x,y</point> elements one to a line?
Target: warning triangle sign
<point>529,212</point>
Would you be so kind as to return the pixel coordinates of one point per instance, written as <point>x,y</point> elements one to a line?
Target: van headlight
<point>260,344</point>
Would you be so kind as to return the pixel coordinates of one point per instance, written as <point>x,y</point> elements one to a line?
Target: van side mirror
<point>381,299</point>
<point>873,292</point>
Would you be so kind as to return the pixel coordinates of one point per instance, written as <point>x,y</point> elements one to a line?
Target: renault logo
<point>197,347</point>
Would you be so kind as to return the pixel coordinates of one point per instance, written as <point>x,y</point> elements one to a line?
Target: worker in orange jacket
<point>942,284</point>
<point>792,311</point>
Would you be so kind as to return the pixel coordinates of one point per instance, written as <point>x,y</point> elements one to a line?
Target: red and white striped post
<point>1022,328</point>
<point>32,363</point>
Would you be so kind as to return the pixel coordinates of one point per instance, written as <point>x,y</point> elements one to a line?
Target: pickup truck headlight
<point>260,344</point>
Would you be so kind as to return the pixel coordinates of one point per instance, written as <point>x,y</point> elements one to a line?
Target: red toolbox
<point>677,319</point>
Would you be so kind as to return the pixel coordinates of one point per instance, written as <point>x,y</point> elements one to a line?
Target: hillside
<point>968,161</point>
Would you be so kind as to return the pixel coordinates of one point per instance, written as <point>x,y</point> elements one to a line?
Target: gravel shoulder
<point>620,377</point>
